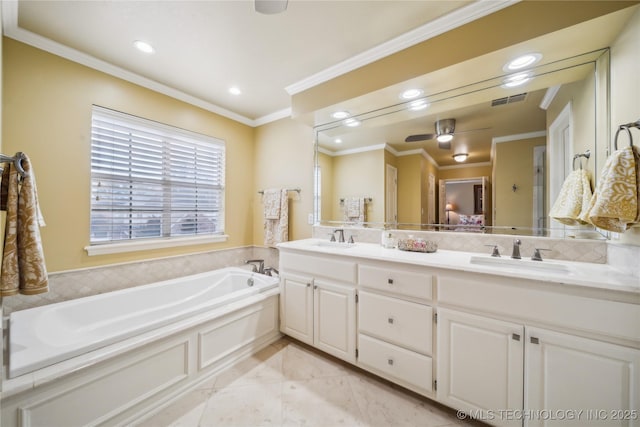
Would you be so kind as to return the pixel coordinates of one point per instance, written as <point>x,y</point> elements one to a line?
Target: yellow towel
<point>23,266</point>
<point>572,204</point>
<point>277,230</point>
<point>614,205</point>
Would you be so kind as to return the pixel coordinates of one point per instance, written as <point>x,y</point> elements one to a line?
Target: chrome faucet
<point>516,249</point>
<point>270,270</point>
<point>536,254</point>
<point>340,232</point>
<point>257,264</point>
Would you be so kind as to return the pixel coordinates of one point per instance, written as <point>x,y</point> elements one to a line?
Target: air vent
<point>509,99</point>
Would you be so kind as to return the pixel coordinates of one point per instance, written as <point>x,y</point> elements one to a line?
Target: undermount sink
<point>504,262</point>
<point>329,244</point>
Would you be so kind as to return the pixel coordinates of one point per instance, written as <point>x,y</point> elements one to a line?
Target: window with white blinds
<point>150,180</point>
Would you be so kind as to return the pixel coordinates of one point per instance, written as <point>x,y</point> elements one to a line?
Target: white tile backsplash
<point>583,250</point>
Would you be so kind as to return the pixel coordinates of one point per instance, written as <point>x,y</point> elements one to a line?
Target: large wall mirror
<point>512,147</point>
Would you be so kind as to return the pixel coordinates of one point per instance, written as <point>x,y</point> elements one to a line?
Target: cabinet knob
<point>390,361</point>
<point>390,281</point>
<point>535,340</point>
<point>515,337</point>
<point>308,285</point>
<point>315,286</point>
<point>390,320</point>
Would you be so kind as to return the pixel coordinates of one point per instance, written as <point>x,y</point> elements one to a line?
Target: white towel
<point>615,204</point>
<point>276,230</point>
<point>572,204</point>
<point>354,209</point>
<point>271,201</point>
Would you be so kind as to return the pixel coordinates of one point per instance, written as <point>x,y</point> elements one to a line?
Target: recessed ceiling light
<point>445,137</point>
<point>411,93</point>
<point>515,80</point>
<point>419,104</point>
<point>522,61</point>
<point>337,141</point>
<point>340,115</point>
<point>460,157</point>
<point>234,90</point>
<point>143,46</point>
<point>352,123</point>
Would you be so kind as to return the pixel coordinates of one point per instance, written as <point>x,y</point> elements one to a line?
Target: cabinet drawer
<point>410,282</point>
<point>401,322</point>
<point>318,266</point>
<point>396,362</point>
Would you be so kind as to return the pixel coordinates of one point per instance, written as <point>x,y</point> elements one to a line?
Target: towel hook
<point>615,141</point>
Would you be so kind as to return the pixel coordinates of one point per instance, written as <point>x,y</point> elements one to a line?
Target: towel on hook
<point>572,205</point>
<point>276,228</point>
<point>23,266</point>
<point>615,202</point>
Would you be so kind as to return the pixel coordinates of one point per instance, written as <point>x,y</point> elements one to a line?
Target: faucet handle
<point>536,254</point>
<point>332,238</point>
<point>495,252</point>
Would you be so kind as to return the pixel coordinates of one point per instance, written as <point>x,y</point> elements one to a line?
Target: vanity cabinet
<point>496,361</point>
<point>564,371</point>
<point>480,364</point>
<point>318,303</point>
<point>395,324</point>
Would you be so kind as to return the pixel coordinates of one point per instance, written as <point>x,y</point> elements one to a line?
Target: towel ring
<point>615,141</point>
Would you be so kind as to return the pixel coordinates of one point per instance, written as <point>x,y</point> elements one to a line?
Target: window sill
<point>144,245</point>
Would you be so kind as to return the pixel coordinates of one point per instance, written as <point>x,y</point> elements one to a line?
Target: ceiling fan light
<point>460,157</point>
<point>445,137</point>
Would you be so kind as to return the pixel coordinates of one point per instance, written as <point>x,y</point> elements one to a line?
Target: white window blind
<point>150,180</point>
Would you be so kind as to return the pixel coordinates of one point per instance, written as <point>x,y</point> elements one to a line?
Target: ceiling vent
<point>509,99</point>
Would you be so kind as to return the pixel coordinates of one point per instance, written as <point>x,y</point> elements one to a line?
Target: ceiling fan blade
<point>444,145</point>
<point>420,137</point>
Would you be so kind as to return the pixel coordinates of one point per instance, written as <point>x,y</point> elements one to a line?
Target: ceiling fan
<point>444,133</point>
<point>270,7</point>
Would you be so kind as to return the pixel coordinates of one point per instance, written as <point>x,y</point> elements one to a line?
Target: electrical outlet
<point>310,219</point>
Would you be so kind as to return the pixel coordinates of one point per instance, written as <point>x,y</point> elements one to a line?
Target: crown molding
<point>453,20</point>
<point>466,165</point>
<point>276,115</point>
<point>548,97</point>
<point>519,136</point>
<point>12,30</point>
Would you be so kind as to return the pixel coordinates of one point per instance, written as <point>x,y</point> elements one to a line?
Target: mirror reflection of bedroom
<point>464,203</point>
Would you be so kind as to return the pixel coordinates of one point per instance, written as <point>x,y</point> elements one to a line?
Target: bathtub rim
<point>47,374</point>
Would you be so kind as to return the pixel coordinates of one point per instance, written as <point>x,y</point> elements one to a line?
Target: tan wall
<point>409,189</point>
<point>428,168</point>
<point>389,159</point>
<point>625,87</point>
<point>514,165</point>
<point>328,199</point>
<point>469,171</point>
<point>367,182</point>
<point>284,153</point>
<point>47,114</point>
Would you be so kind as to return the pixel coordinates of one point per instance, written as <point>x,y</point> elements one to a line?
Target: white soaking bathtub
<point>43,336</point>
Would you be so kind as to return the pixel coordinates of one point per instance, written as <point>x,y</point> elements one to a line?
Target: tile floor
<point>291,384</point>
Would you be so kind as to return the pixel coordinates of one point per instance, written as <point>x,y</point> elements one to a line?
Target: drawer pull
<point>535,340</point>
<point>390,361</point>
<point>308,285</point>
<point>390,281</point>
<point>315,286</point>
<point>515,337</point>
<point>390,320</point>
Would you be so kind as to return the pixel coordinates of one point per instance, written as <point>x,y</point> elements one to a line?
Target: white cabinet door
<point>480,366</point>
<point>565,372</point>
<point>297,307</point>
<point>335,319</point>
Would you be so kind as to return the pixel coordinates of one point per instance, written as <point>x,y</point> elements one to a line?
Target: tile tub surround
<point>593,251</point>
<point>73,284</point>
<point>291,384</point>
